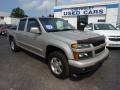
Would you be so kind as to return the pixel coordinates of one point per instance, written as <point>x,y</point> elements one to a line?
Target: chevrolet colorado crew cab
<point>59,43</point>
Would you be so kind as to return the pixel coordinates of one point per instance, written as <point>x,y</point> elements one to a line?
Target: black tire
<point>62,60</point>
<point>13,45</point>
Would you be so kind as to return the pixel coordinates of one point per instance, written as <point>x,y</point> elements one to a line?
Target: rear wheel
<point>58,64</point>
<point>13,45</point>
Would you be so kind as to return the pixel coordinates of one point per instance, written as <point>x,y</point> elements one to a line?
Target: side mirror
<point>89,28</point>
<point>35,30</point>
<point>85,29</point>
<point>117,28</point>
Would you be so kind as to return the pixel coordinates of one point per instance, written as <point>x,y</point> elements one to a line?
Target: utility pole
<point>56,2</point>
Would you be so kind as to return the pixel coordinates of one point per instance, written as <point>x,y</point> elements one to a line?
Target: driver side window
<point>90,26</point>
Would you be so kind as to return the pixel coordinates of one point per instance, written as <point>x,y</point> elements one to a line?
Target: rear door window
<point>22,25</point>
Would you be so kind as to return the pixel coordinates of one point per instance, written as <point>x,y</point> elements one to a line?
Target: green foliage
<point>18,13</point>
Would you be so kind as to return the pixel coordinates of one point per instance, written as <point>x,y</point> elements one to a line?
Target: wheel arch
<point>51,48</point>
<point>10,38</point>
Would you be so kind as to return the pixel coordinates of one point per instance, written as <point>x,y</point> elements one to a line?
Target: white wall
<point>58,14</point>
<point>111,16</point>
<point>14,21</point>
<point>94,19</point>
<point>1,21</point>
<point>7,20</point>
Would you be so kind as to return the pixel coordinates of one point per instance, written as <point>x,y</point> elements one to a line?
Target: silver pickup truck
<point>60,44</point>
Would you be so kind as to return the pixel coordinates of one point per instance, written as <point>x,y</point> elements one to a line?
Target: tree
<point>18,13</point>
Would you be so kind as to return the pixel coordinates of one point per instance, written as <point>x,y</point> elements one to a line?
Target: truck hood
<point>108,32</point>
<point>73,35</point>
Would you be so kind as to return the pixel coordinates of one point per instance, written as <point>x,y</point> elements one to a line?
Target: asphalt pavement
<point>26,71</point>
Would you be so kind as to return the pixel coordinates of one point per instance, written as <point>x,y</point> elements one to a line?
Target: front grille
<point>114,39</point>
<point>98,43</point>
<point>99,50</point>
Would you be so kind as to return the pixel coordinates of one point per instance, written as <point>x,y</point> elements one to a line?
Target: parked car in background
<point>118,26</point>
<point>5,27</point>
<point>1,25</point>
<point>108,30</point>
<point>2,30</point>
<point>12,27</point>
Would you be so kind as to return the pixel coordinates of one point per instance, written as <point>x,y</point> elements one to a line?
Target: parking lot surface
<point>26,71</point>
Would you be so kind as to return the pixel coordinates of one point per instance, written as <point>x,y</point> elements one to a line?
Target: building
<point>81,14</point>
<point>6,19</point>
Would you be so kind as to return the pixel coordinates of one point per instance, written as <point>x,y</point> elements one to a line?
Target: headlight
<point>82,55</point>
<point>80,46</point>
<point>85,55</point>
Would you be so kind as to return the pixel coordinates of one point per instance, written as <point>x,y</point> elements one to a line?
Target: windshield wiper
<point>53,30</point>
<point>66,29</point>
<point>59,30</point>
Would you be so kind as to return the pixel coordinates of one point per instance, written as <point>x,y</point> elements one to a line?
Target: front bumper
<point>112,43</point>
<point>89,62</point>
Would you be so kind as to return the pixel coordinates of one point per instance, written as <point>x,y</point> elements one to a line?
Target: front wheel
<point>13,45</point>
<point>58,64</point>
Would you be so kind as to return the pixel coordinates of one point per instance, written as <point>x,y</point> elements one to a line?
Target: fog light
<point>85,54</point>
<point>81,55</point>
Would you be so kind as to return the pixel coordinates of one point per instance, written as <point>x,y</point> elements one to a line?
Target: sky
<point>36,7</point>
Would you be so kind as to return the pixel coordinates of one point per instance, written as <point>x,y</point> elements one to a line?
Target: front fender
<point>63,46</point>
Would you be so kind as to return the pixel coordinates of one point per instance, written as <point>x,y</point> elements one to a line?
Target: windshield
<point>104,27</point>
<point>55,24</point>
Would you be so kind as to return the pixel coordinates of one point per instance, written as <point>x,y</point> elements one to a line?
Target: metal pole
<point>56,2</point>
